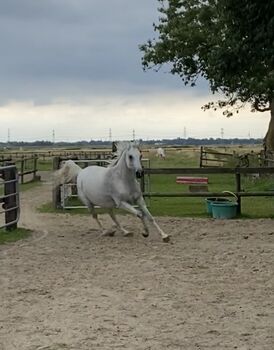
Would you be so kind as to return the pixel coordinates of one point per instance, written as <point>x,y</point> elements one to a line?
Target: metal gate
<point>9,197</point>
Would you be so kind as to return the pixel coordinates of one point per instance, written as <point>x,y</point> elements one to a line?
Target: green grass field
<point>252,207</point>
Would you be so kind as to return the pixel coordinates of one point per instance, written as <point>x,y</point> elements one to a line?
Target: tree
<point>230,43</point>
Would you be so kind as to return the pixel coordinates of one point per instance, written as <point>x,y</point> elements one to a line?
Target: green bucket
<point>210,201</point>
<point>223,210</point>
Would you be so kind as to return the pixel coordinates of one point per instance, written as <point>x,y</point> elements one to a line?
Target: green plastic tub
<point>223,210</point>
<point>211,200</point>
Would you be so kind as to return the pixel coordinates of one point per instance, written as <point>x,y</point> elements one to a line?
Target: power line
<point>110,135</point>
<point>222,133</point>
<point>184,132</point>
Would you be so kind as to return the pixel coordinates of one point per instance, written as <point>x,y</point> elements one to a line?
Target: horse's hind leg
<point>105,232</point>
<point>95,216</point>
<point>118,225</point>
<point>93,213</point>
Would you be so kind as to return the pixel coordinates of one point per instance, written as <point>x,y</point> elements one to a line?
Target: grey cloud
<point>66,47</point>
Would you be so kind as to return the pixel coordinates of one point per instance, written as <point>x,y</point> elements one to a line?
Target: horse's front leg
<point>146,215</point>
<point>129,208</point>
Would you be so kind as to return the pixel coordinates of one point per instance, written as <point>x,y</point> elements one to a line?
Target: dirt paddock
<point>68,288</point>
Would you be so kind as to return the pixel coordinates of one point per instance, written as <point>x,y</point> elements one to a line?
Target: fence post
<point>238,189</point>
<point>201,156</point>
<point>22,166</point>
<point>56,194</point>
<point>10,201</point>
<point>143,182</point>
<point>35,167</point>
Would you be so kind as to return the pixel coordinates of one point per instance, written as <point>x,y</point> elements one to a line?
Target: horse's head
<point>133,158</point>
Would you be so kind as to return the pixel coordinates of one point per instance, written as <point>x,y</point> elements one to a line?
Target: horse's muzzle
<point>139,173</point>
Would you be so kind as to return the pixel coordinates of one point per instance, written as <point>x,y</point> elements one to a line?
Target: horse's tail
<point>66,174</point>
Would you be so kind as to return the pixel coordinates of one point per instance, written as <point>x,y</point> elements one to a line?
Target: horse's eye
<point>130,157</point>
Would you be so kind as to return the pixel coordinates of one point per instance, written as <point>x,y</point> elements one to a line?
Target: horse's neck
<point>123,171</point>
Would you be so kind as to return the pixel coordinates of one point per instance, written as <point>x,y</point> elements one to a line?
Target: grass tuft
<point>14,235</point>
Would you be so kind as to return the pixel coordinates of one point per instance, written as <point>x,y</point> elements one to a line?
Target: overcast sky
<point>74,66</point>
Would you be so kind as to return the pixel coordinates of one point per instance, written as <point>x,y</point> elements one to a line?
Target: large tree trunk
<point>269,137</point>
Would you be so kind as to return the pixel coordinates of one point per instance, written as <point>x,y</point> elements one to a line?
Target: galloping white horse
<point>113,187</point>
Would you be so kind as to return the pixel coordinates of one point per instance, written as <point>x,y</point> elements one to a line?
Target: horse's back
<point>92,176</point>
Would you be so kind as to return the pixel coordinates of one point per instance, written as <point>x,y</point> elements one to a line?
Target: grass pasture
<point>252,207</point>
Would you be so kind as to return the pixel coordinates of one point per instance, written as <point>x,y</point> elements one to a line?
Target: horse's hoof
<point>128,234</point>
<point>166,239</point>
<point>140,214</point>
<point>109,233</point>
<point>145,234</point>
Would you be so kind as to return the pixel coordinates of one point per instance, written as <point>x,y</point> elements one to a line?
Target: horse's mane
<point>122,146</point>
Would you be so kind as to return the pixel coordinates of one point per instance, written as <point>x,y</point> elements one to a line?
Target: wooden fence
<point>238,172</point>
<point>210,158</point>
<point>9,197</point>
<point>44,155</point>
<point>4,160</point>
<point>27,162</point>
<point>27,166</point>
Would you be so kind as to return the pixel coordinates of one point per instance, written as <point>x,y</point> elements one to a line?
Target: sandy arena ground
<point>66,287</point>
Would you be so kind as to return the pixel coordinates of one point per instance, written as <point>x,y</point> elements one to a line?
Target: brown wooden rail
<point>27,165</point>
<point>238,172</point>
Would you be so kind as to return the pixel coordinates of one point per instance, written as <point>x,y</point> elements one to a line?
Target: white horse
<point>113,187</point>
<point>160,153</point>
<point>67,173</point>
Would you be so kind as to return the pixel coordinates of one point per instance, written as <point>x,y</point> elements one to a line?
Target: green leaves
<point>229,42</point>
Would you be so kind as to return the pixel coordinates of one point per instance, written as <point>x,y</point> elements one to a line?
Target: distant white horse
<point>160,153</point>
<point>113,187</point>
